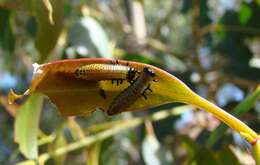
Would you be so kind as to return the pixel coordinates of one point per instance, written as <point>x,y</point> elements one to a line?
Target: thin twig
<point>231,28</point>
<point>159,46</point>
<point>14,5</point>
<point>196,40</point>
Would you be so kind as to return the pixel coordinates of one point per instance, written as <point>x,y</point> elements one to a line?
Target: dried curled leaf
<point>80,97</point>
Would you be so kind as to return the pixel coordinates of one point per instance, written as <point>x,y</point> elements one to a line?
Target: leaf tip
<point>249,137</point>
<point>36,69</point>
<point>12,96</point>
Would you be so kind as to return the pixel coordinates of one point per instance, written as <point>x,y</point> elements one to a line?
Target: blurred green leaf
<point>227,157</point>
<point>47,33</point>
<point>191,147</point>
<point>89,33</point>
<point>59,141</point>
<point>221,33</point>
<point>239,110</point>
<point>98,36</point>
<point>27,163</point>
<point>26,126</point>
<point>245,14</point>
<point>140,58</point>
<point>93,153</point>
<point>204,157</point>
<point>7,37</point>
<point>258,2</point>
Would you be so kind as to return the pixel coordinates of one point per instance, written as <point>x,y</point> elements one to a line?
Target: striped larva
<point>97,72</point>
<point>132,93</point>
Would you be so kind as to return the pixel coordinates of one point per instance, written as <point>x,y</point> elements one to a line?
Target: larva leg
<point>112,81</point>
<point>102,93</point>
<point>115,62</point>
<point>101,109</point>
<point>145,97</point>
<point>111,113</point>
<point>147,88</point>
<point>79,73</point>
<point>118,81</point>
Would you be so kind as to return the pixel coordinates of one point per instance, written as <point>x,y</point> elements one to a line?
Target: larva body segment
<point>132,93</point>
<point>98,72</point>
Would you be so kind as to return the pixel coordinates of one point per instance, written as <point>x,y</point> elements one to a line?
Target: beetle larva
<point>132,93</point>
<point>98,72</point>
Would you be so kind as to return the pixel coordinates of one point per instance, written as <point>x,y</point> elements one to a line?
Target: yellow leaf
<point>74,96</point>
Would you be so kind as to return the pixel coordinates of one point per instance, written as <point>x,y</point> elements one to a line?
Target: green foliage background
<point>210,45</point>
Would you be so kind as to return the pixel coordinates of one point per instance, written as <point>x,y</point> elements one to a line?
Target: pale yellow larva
<point>97,72</point>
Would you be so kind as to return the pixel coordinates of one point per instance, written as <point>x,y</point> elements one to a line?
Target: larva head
<point>149,72</point>
<point>131,74</point>
<point>78,73</point>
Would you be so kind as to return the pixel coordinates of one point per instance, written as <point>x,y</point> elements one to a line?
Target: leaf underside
<point>79,97</point>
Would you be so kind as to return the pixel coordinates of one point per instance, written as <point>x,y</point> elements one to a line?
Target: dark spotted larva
<point>98,72</point>
<point>132,93</point>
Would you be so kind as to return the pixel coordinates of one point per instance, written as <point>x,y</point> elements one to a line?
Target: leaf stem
<point>245,131</point>
<point>256,150</point>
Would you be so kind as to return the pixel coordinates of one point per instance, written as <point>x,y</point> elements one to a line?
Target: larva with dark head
<point>133,92</point>
<point>98,72</point>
